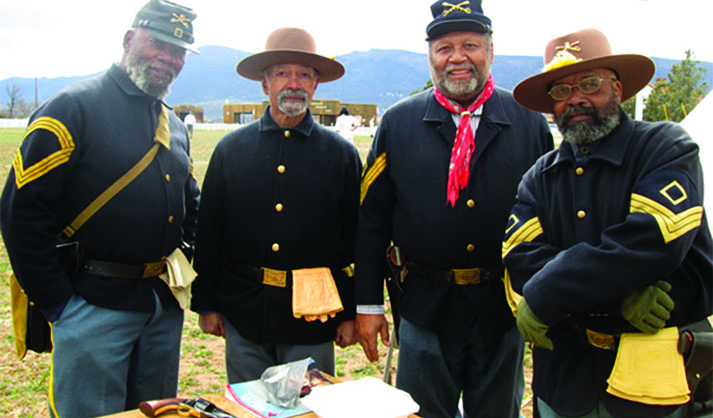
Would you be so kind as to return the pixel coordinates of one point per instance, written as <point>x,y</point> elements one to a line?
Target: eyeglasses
<point>587,85</point>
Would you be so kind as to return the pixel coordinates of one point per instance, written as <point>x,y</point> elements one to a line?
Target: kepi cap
<point>458,16</point>
<point>167,22</point>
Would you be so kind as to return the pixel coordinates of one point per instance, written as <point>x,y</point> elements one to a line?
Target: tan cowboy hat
<point>583,50</point>
<point>290,46</point>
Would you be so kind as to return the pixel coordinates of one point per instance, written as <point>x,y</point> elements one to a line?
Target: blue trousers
<point>106,361</point>
<point>246,360</point>
<point>436,372</point>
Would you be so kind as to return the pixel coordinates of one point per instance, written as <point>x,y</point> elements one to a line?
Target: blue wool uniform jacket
<point>78,144</point>
<point>591,227</point>
<point>404,200</point>
<point>279,198</point>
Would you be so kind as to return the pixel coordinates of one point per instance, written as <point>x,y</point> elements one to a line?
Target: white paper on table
<point>365,397</point>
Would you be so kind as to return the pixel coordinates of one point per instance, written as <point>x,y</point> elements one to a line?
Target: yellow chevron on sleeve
<point>672,225</point>
<point>25,175</point>
<point>527,232</point>
<point>371,174</point>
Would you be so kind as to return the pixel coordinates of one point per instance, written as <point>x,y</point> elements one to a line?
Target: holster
<point>70,257</point>
<point>696,345</point>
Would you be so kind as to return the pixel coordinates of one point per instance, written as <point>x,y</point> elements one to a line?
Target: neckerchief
<point>464,145</point>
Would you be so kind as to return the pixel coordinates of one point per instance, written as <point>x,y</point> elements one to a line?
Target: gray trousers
<point>106,361</point>
<point>246,361</point>
<point>436,372</point>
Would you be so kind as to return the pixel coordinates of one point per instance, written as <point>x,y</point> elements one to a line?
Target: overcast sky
<point>50,38</point>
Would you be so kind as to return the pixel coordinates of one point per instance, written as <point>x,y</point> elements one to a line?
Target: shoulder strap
<point>162,138</point>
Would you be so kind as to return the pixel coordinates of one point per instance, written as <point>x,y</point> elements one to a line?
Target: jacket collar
<point>492,109</point>
<point>121,78</point>
<point>611,148</point>
<point>492,120</point>
<point>267,123</point>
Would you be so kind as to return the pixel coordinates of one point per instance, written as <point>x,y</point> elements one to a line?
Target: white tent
<point>699,124</point>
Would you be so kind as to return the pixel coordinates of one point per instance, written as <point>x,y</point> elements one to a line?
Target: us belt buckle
<point>605,341</point>
<point>276,278</point>
<point>153,269</point>
<point>469,276</point>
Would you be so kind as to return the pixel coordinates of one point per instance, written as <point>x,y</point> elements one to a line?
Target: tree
<point>674,97</point>
<point>629,107</point>
<point>16,106</point>
<point>13,95</point>
<point>427,86</point>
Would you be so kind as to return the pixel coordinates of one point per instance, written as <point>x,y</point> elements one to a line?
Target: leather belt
<point>271,277</point>
<point>125,271</point>
<point>455,276</point>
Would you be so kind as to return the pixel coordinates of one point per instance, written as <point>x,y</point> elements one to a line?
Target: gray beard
<point>581,133</point>
<point>137,74</point>
<point>292,108</point>
<point>460,90</point>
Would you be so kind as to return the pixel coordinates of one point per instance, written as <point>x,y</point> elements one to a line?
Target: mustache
<point>580,110</point>
<point>467,66</point>
<point>292,92</point>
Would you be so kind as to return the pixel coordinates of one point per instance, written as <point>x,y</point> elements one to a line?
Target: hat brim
<point>456,25</point>
<point>634,71</point>
<point>251,67</point>
<point>171,40</point>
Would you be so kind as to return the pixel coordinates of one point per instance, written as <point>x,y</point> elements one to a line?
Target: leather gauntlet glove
<point>649,308</point>
<point>532,329</point>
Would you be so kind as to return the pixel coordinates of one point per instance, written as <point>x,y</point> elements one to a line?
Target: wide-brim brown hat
<point>290,46</point>
<point>579,51</point>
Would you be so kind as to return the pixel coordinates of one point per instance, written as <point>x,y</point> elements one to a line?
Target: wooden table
<point>221,402</point>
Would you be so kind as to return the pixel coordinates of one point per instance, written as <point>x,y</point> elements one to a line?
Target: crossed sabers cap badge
<point>182,19</point>
<point>454,7</point>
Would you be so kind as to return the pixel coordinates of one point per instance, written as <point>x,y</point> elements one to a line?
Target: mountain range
<point>378,76</point>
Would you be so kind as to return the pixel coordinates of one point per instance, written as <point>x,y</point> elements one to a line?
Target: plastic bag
<point>282,384</point>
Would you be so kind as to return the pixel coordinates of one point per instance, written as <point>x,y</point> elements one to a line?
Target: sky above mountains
<point>48,38</point>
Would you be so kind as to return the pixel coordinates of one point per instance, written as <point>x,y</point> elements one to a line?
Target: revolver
<point>196,408</point>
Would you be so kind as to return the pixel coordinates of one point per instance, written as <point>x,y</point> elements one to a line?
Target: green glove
<point>649,308</point>
<point>531,328</point>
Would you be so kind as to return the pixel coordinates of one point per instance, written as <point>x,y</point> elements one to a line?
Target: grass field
<point>23,384</point>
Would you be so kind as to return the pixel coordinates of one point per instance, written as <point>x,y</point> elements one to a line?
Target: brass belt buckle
<point>272,277</point>
<point>467,276</point>
<point>154,269</point>
<point>605,341</point>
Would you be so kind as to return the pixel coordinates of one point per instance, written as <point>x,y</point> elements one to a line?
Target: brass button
<point>281,169</point>
<point>275,247</point>
<point>579,171</point>
<point>470,203</point>
<point>287,134</point>
<point>170,219</point>
<point>581,214</point>
<point>278,207</point>
<point>470,248</point>
<point>168,178</point>
<point>584,150</point>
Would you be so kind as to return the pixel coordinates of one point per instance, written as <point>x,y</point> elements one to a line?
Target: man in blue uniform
<point>278,216</point>
<point>440,180</point>
<point>116,326</point>
<point>608,243</point>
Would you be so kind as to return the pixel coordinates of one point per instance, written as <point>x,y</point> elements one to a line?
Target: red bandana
<point>464,145</point>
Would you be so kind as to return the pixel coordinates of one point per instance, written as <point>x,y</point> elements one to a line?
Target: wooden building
<point>324,111</point>
<point>183,110</point>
